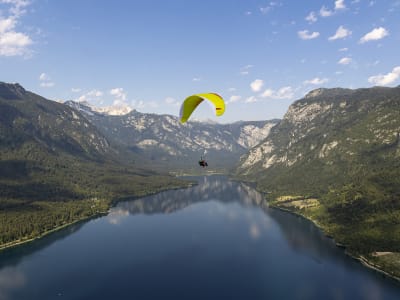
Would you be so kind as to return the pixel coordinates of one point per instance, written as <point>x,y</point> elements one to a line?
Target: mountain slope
<point>163,140</point>
<point>29,118</point>
<point>56,167</point>
<point>335,158</point>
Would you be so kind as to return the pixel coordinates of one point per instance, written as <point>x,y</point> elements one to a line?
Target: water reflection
<point>301,235</point>
<point>216,240</point>
<point>208,188</point>
<point>10,279</point>
<point>13,256</point>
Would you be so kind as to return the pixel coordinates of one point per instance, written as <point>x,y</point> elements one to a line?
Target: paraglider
<point>203,163</point>
<point>191,102</point>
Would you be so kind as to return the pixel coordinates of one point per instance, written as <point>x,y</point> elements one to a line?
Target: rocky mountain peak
<point>314,93</point>
<point>88,108</point>
<point>329,93</point>
<point>12,91</point>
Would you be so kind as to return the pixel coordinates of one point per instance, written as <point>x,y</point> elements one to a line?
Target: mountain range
<point>161,140</point>
<point>333,158</point>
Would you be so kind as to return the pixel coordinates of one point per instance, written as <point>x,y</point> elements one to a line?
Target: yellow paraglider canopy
<point>191,102</point>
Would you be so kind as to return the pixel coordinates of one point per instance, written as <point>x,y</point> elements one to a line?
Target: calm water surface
<point>217,240</point>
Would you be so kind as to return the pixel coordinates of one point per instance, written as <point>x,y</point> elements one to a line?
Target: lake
<point>215,240</point>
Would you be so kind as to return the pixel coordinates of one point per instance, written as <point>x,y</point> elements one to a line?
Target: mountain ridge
<point>335,158</point>
<point>57,168</point>
<point>163,140</point>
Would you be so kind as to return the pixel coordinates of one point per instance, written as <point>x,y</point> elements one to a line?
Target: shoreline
<point>361,259</point>
<point>112,204</point>
<point>20,242</point>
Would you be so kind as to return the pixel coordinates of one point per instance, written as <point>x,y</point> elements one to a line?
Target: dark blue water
<point>217,240</point>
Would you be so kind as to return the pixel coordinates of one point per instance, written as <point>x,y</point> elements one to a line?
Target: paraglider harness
<point>203,163</point>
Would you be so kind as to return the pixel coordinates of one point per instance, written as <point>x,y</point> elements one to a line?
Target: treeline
<point>32,220</point>
<point>37,198</point>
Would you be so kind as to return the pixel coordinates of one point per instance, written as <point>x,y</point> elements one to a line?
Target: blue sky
<point>150,54</point>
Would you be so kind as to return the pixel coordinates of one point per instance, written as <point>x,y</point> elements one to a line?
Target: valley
<point>333,158</point>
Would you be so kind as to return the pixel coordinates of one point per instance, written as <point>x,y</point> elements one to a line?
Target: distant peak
<point>113,110</point>
<point>11,91</point>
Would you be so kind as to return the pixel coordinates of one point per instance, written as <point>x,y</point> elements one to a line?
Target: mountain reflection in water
<point>216,240</point>
<point>215,188</point>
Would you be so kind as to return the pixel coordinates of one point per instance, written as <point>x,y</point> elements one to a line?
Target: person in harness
<point>203,163</point>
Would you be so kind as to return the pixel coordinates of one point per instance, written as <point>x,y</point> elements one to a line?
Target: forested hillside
<point>335,158</point>
<point>57,168</point>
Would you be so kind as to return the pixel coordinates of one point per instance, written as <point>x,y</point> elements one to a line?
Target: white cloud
<point>339,4</point>
<point>251,99</point>
<point>196,79</point>
<point>95,93</point>
<point>343,49</point>
<point>7,24</point>
<point>345,61</point>
<point>234,98</point>
<point>44,76</point>
<point>324,12</point>
<point>118,93</point>
<point>341,33</point>
<point>312,17</point>
<point>17,6</point>
<point>119,104</point>
<point>268,93</point>
<point>75,90</point>
<point>375,34</point>
<point>93,96</point>
<point>305,35</point>
<point>146,105</point>
<point>387,78</point>
<point>256,85</point>
<point>139,104</point>
<point>246,69</point>
<point>283,93</point>
<point>316,81</point>
<point>47,84</point>
<point>45,80</point>
<point>13,43</point>
<point>265,10</point>
<point>172,101</point>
